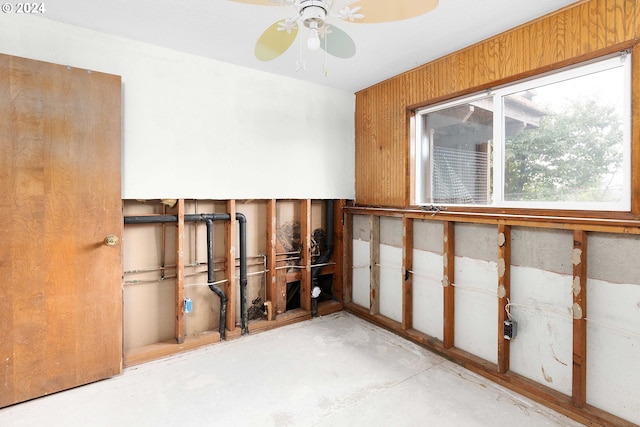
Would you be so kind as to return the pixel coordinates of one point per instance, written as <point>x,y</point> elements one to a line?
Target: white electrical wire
<point>206,284</point>
<point>476,289</point>
<point>621,331</point>
<point>434,280</point>
<point>355,267</point>
<point>388,267</point>
<point>537,307</point>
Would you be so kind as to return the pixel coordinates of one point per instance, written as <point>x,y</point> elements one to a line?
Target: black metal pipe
<point>242,220</point>
<point>324,257</point>
<point>155,219</point>
<point>210,279</point>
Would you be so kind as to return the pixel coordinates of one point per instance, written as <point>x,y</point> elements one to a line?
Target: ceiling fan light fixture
<point>313,42</point>
<point>313,11</point>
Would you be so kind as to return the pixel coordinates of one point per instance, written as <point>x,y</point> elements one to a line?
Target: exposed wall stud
<point>347,270</point>
<point>271,282</point>
<point>305,256</point>
<point>448,255</point>
<point>179,287</point>
<point>374,249</point>
<point>338,250</point>
<point>504,291</point>
<point>579,381</point>
<point>230,270</point>
<point>407,278</point>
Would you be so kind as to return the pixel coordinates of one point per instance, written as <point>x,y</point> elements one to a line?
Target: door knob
<point>111,240</point>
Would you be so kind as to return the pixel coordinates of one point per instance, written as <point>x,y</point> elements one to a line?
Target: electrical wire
<point>432,279</point>
<point>476,289</point>
<point>621,331</point>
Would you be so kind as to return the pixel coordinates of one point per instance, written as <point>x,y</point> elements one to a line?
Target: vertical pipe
<point>210,280</point>
<point>242,220</point>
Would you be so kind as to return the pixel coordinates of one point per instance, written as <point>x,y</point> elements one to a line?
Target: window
<point>560,141</point>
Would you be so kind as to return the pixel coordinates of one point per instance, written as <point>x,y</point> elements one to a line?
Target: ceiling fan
<point>318,16</point>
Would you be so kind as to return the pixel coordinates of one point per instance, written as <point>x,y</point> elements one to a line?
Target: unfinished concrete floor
<point>336,370</point>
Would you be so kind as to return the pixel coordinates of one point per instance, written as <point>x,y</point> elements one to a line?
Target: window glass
<point>458,139</point>
<point>560,141</point>
<point>564,141</point>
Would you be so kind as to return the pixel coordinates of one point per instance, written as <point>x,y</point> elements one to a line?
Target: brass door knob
<point>111,240</point>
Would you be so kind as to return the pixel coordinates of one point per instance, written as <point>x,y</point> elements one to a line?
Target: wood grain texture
<point>230,265</point>
<point>272,288</point>
<point>583,31</point>
<point>504,293</point>
<point>179,289</point>
<point>448,294</point>
<point>374,265</point>
<point>61,294</point>
<point>338,250</point>
<point>305,254</point>
<point>407,279</point>
<point>579,378</point>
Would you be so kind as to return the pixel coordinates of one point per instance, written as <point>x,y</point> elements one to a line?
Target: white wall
<point>199,128</point>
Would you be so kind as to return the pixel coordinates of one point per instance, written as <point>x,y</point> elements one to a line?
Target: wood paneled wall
<point>583,31</point>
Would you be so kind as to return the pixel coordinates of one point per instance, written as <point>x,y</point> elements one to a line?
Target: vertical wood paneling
<point>561,39</point>
<point>599,21</point>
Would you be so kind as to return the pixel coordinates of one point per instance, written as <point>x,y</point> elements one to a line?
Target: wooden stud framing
<point>179,286</point>
<point>230,269</point>
<point>579,382</point>
<point>448,257</point>
<point>271,283</point>
<point>374,249</point>
<point>504,291</point>
<point>338,250</point>
<point>407,277</point>
<point>281,281</point>
<point>305,256</point>
<point>347,268</point>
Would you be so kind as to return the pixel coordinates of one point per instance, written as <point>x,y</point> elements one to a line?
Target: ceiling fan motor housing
<point>313,11</point>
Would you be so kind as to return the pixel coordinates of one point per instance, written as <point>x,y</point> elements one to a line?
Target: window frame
<point>419,153</point>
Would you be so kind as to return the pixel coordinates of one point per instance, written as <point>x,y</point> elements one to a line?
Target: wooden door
<point>60,285</point>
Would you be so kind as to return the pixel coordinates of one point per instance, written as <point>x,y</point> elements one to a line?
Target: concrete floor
<point>336,370</point>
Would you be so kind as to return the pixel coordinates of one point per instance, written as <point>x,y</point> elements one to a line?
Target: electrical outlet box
<point>187,306</point>
<point>509,329</point>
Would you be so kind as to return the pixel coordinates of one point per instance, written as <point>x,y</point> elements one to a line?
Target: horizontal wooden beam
<point>624,223</point>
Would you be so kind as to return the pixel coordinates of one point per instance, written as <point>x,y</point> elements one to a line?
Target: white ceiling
<point>227,31</point>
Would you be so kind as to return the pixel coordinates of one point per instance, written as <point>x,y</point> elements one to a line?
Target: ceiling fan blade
<point>338,43</point>
<point>376,11</point>
<point>273,43</point>
<point>262,2</point>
